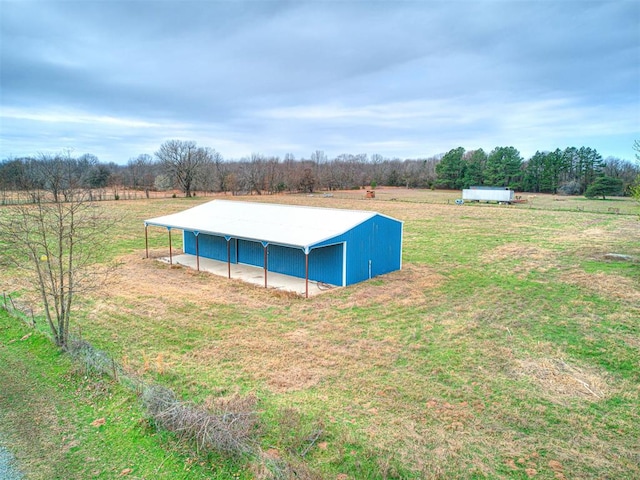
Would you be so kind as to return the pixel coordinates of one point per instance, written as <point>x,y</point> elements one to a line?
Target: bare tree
<point>139,173</point>
<point>14,177</point>
<point>55,241</point>
<point>318,157</point>
<point>253,173</point>
<point>622,169</point>
<point>290,172</point>
<point>221,172</point>
<point>57,174</point>
<point>377,168</point>
<point>183,160</point>
<point>307,180</point>
<point>204,180</point>
<point>273,175</point>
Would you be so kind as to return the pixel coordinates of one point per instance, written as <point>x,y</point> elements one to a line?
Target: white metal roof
<point>273,223</point>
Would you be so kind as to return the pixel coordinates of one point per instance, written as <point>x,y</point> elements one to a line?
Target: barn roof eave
<point>239,237</point>
<point>264,224</point>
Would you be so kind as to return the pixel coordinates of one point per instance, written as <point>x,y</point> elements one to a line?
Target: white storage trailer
<point>484,194</point>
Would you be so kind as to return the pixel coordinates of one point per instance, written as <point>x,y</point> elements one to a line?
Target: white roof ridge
<point>237,219</point>
<point>286,205</point>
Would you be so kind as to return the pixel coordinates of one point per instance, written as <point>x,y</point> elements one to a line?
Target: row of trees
<point>570,171</point>
<point>185,166</point>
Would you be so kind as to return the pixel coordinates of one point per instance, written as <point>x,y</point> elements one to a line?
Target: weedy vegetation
<point>508,346</point>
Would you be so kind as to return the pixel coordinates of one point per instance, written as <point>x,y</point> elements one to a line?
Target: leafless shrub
<point>228,426</point>
<point>157,399</point>
<point>91,358</point>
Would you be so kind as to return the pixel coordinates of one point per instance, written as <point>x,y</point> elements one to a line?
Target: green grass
<point>507,347</point>
<point>47,407</point>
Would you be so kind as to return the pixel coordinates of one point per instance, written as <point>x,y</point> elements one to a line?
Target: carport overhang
<point>306,249</point>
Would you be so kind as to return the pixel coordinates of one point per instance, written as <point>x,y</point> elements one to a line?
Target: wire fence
<point>17,197</point>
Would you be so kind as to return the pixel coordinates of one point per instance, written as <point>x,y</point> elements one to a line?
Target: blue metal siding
<point>359,243</point>
<point>372,248</point>
<point>286,260</point>
<point>212,247</point>
<point>209,246</point>
<point>189,242</point>
<point>378,240</point>
<point>325,264</point>
<point>251,253</point>
<point>387,246</point>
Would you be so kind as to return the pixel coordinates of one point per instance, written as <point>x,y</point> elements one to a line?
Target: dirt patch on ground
<point>141,279</point>
<point>606,285</point>
<point>561,381</point>
<point>407,287</point>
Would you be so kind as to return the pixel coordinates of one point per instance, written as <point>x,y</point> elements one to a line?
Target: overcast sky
<point>404,79</point>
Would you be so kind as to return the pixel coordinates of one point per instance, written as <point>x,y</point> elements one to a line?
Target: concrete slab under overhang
<point>250,274</point>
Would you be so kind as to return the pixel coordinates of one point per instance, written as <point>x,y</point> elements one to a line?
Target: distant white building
<point>488,194</point>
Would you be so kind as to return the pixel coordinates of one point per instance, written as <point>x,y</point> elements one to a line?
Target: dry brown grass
<point>560,380</point>
<point>426,371</point>
<point>314,350</point>
<point>402,288</point>
<point>157,284</point>
<point>606,285</point>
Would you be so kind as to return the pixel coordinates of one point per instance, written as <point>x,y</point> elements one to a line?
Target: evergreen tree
<point>534,173</point>
<point>590,165</point>
<point>554,166</point>
<point>503,168</point>
<point>603,186</point>
<point>474,170</point>
<point>450,170</point>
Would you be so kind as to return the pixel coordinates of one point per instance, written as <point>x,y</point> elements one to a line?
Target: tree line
<point>570,171</point>
<point>185,166</point>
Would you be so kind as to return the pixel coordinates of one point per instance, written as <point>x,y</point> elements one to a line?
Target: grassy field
<point>508,346</point>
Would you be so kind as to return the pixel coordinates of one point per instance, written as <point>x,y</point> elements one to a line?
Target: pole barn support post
<point>146,239</point>
<point>228,239</point>
<point>265,245</point>
<point>197,234</point>
<point>306,273</point>
<point>170,252</point>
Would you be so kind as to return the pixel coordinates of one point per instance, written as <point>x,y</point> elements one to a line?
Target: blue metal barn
<point>334,246</point>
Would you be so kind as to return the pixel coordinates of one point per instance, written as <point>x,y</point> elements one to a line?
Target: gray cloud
<point>407,78</point>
